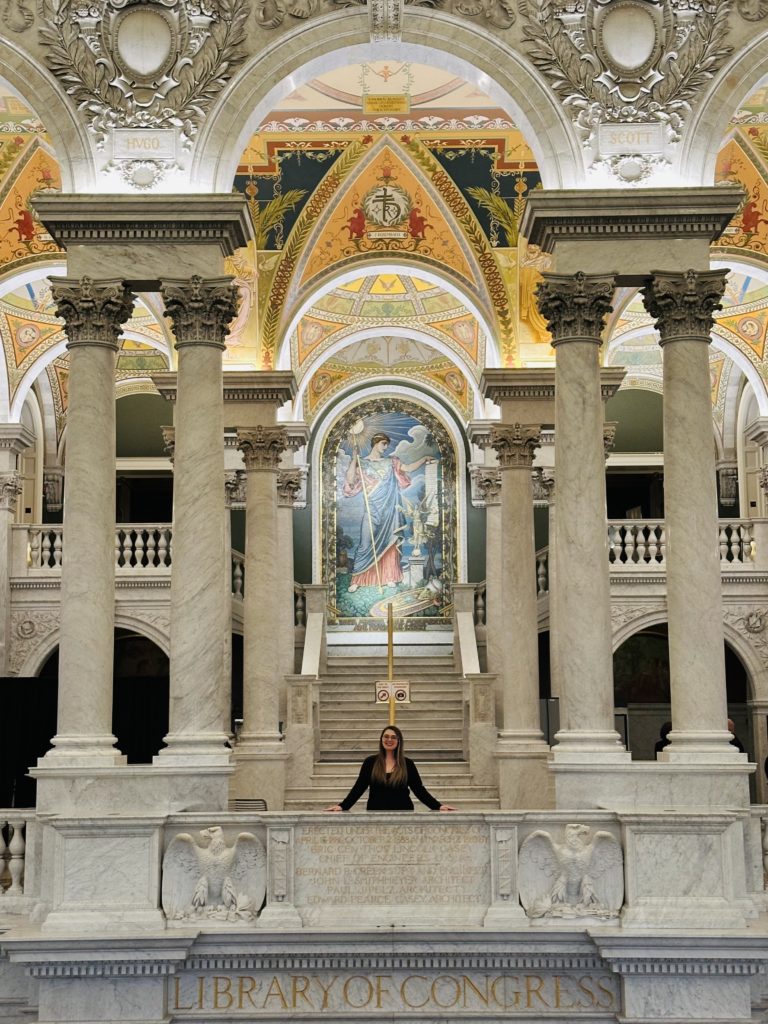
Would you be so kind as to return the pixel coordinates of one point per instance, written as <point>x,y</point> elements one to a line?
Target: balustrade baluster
<point>614,543</point>
<point>764,831</point>
<point>629,544</point>
<point>541,576</point>
<point>4,851</point>
<point>652,554</point>
<point>151,546</point>
<point>45,560</point>
<point>16,847</point>
<point>480,595</point>
<point>33,556</point>
<point>58,541</point>
<point>162,549</point>
<point>118,547</point>
<point>300,608</point>
<point>745,543</point>
<point>138,548</point>
<point>237,580</point>
<point>641,546</point>
<point>663,545</point>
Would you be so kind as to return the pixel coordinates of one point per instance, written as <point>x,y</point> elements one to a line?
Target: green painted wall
<point>639,415</point>
<point>139,419</point>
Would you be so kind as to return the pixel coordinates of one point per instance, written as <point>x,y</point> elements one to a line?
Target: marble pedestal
<point>260,772</point>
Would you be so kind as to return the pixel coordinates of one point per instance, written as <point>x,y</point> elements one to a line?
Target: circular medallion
<point>387,205</point>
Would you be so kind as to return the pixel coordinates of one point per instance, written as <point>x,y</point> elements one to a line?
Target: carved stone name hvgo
<point>578,877</point>
<point>214,880</point>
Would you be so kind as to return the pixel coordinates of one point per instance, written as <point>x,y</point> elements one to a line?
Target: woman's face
<point>381,446</point>
<point>389,740</point>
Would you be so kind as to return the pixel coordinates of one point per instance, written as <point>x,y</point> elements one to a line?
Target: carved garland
<point>80,43</point>
<point>574,63</point>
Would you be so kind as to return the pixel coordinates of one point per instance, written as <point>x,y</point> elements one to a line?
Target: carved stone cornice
<point>15,437</point>
<point>213,220</point>
<point>271,386</point>
<point>682,304</point>
<point>516,445</point>
<point>93,311</point>
<point>575,305</point>
<point>562,221</point>
<point>10,489</point>
<point>289,485</point>
<point>201,309</point>
<point>262,447</point>
<point>486,485</point>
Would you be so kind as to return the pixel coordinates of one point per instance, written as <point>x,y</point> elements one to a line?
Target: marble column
<point>549,488</point>
<point>14,438</point>
<point>521,749</point>
<point>289,484</point>
<point>575,307</point>
<point>93,312</point>
<point>683,304</point>
<point>200,310</point>
<point>486,481</point>
<point>260,752</point>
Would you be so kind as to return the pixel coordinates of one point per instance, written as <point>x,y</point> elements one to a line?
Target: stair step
<point>426,768</point>
<point>460,805</point>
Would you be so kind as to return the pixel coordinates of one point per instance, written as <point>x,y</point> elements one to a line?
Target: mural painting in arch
<point>389,515</point>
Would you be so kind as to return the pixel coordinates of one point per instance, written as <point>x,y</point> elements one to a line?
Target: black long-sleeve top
<point>384,797</point>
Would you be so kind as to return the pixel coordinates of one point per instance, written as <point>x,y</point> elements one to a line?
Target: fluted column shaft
<point>200,311</point>
<point>683,305</point>
<point>261,448</point>
<point>516,446</point>
<point>575,306</point>
<point>93,312</point>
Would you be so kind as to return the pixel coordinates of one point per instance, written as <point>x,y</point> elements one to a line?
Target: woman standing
<point>388,776</point>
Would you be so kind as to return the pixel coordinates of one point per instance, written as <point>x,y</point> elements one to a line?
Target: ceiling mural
<point>394,163</point>
<point>388,356</point>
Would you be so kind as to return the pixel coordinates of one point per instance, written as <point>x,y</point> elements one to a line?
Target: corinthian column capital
<point>93,311</point>
<point>575,305</point>
<point>516,445</point>
<point>289,483</point>
<point>682,304</point>
<point>486,485</point>
<point>10,489</point>
<point>262,447</point>
<point>200,309</point>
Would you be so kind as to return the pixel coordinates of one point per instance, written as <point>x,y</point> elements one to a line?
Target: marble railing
<point>13,848</point>
<point>642,543</point>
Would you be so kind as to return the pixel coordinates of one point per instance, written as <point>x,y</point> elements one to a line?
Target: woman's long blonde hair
<point>399,776</point>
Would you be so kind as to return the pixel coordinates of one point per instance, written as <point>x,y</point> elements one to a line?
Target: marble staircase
<point>433,725</point>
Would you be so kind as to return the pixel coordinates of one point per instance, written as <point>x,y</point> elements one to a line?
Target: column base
<point>583,747</point>
<point>260,771</point>
<point>687,747</point>
<point>203,749</point>
<point>82,752</point>
<point>525,782</point>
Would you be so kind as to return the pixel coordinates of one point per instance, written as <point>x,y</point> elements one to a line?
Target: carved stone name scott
<point>494,992</point>
<point>373,864</point>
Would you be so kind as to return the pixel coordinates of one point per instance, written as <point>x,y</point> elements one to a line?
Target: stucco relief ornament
<point>579,877</point>
<point>214,880</point>
<point>16,15</point>
<point>10,489</point>
<point>143,63</point>
<point>752,10</point>
<point>621,61</point>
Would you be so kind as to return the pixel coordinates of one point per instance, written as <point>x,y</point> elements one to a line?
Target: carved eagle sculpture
<point>575,878</point>
<point>214,880</point>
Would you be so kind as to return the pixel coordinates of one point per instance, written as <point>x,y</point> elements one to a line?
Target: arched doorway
<point>642,695</point>
<point>139,696</point>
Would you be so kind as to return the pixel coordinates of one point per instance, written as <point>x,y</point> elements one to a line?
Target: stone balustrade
<point>17,829</point>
